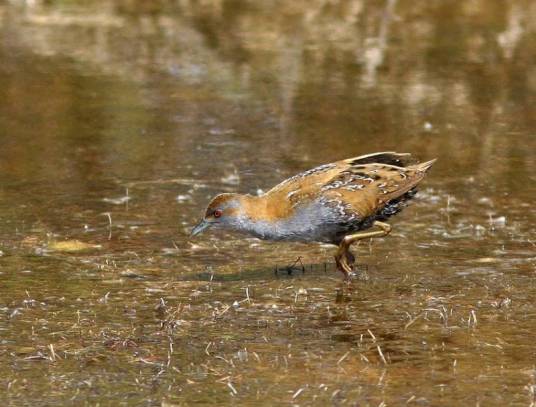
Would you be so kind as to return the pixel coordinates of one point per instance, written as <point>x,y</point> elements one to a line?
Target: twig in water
<point>413,320</point>
<point>343,357</point>
<point>52,353</point>
<point>227,308</point>
<point>298,392</point>
<point>109,215</point>
<point>381,354</point>
<point>230,385</point>
<point>472,319</point>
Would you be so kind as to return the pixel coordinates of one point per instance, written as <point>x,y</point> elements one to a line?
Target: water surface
<point>118,122</point>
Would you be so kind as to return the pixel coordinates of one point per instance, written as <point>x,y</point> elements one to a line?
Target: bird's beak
<point>199,228</point>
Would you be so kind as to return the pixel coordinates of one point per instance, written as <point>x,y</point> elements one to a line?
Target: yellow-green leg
<point>343,254</point>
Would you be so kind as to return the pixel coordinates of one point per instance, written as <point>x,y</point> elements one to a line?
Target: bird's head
<point>223,211</point>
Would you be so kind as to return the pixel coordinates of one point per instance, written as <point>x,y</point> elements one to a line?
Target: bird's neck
<point>274,219</point>
<point>259,216</point>
<point>262,208</point>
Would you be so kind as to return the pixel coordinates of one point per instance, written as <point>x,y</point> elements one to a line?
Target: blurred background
<point>119,120</point>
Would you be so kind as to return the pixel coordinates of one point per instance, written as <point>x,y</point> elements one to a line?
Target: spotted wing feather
<point>357,186</point>
<point>308,182</point>
<point>367,189</point>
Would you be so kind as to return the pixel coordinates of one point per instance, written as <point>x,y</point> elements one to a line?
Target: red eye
<point>217,213</point>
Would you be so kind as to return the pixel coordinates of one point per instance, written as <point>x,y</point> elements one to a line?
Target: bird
<point>335,203</point>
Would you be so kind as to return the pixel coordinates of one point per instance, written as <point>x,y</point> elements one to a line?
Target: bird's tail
<point>424,167</point>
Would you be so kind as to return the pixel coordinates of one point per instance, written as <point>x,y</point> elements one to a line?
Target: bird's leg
<point>343,256</point>
<point>341,260</point>
<point>345,260</point>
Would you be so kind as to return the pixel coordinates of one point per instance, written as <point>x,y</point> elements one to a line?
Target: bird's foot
<point>350,269</point>
<point>344,266</point>
<point>345,261</point>
<point>353,275</point>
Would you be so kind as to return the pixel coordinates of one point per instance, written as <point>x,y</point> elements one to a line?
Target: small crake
<point>332,203</point>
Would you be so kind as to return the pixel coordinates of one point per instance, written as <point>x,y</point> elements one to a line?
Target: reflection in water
<point>374,49</point>
<point>119,120</point>
<point>510,37</point>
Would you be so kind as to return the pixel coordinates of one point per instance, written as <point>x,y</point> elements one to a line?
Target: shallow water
<point>119,121</point>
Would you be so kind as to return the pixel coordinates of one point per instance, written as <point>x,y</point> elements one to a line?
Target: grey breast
<point>322,220</point>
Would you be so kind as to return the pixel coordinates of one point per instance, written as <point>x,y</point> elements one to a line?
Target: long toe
<point>343,266</point>
<point>347,269</point>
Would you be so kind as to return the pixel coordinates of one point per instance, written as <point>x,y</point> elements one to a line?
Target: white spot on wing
<point>291,193</point>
